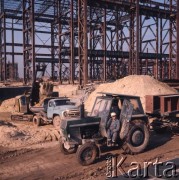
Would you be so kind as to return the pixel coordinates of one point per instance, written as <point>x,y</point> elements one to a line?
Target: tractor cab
<point>123,105</point>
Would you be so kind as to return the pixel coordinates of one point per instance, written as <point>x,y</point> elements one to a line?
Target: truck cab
<point>55,110</point>
<point>62,107</point>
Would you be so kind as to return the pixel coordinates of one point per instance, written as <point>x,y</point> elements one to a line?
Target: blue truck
<point>54,111</point>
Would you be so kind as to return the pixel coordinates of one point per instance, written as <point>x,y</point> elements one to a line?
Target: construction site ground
<point>43,160</point>
<point>29,152</point>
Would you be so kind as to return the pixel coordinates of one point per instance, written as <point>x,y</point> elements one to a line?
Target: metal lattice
<point>83,40</point>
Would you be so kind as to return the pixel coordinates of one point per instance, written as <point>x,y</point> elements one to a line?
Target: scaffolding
<point>80,41</point>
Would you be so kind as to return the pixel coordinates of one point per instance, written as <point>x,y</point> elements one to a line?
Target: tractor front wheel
<point>87,153</point>
<point>67,151</point>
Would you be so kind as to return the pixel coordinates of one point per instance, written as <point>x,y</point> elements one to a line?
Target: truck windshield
<point>62,102</point>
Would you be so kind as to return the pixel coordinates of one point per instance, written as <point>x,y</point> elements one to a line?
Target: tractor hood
<point>79,122</point>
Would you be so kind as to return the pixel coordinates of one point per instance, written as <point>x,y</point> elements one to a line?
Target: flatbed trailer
<point>164,110</point>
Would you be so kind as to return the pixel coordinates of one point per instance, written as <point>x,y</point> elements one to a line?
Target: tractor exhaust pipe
<point>82,110</point>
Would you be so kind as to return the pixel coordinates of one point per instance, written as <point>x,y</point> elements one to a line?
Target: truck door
<point>50,109</point>
<point>125,117</point>
<point>101,109</point>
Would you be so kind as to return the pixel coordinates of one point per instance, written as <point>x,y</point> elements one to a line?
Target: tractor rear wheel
<point>137,138</point>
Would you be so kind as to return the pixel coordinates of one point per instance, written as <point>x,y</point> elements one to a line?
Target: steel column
<point>52,50</point>
<point>29,41</point>
<point>83,44</point>
<point>137,64</point>
<point>72,57</point>
<point>177,41</point>
<point>104,46</point>
<point>13,58</point>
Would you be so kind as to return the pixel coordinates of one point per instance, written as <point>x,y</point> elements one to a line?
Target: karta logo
<point>157,169</point>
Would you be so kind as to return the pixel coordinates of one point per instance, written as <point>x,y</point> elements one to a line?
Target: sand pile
<point>66,90</point>
<point>132,85</point>
<point>7,105</point>
<point>17,134</point>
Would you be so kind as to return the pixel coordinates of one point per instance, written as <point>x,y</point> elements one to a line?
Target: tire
<point>137,138</point>
<point>36,121</point>
<point>88,149</point>
<point>67,151</point>
<point>56,122</point>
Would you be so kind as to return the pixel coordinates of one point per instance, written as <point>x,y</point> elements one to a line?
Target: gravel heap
<point>7,105</point>
<point>131,85</point>
<point>21,134</point>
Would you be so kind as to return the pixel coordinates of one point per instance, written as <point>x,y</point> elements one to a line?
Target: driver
<point>115,107</point>
<point>112,127</point>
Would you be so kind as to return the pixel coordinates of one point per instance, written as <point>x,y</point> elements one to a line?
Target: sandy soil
<point>28,152</point>
<point>46,162</point>
<point>21,134</point>
<point>7,105</point>
<point>18,134</point>
<point>66,90</point>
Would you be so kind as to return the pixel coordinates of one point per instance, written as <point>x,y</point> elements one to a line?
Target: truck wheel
<point>137,138</point>
<point>36,121</point>
<point>67,151</point>
<point>86,154</point>
<point>56,122</point>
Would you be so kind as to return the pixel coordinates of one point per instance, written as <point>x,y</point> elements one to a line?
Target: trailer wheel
<point>67,151</point>
<point>56,122</point>
<point>87,153</point>
<point>137,138</point>
<point>36,121</point>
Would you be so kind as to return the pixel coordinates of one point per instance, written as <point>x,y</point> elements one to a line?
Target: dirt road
<point>44,161</point>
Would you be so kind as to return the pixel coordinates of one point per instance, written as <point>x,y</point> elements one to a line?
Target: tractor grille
<point>73,112</point>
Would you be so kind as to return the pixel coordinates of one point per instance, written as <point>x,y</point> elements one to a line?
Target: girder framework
<point>83,40</point>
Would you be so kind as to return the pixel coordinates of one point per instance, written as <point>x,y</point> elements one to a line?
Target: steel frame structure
<point>82,40</point>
